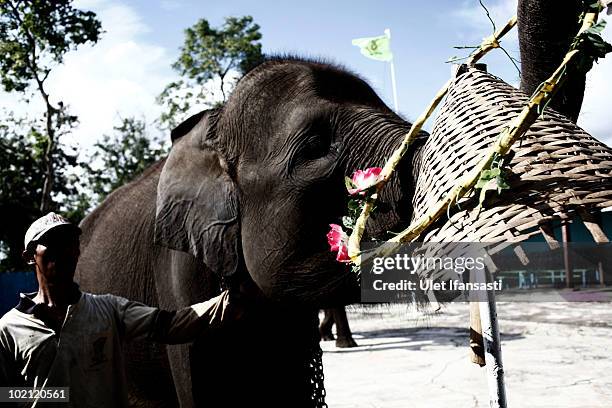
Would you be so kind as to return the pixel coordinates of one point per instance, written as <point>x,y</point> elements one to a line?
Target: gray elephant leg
<point>178,357</point>
<point>150,382</point>
<point>185,283</point>
<point>546,29</point>
<point>343,331</point>
<point>325,327</point>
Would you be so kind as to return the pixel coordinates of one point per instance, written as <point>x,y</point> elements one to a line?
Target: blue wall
<point>13,283</point>
<point>578,232</point>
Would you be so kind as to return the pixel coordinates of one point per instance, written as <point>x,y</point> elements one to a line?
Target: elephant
<point>244,201</point>
<point>546,30</point>
<point>337,316</point>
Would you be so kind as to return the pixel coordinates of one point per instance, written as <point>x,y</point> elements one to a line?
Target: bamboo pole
<point>491,42</point>
<point>354,240</point>
<point>476,341</point>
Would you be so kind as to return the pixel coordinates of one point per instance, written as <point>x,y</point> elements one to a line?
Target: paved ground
<point>555,355</point>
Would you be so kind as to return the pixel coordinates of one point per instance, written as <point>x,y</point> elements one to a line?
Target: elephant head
<point>253,186</point>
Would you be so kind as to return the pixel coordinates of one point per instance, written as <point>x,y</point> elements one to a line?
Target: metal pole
<point>567,259</point>
<point>492,345</point>
<point>393,84</point>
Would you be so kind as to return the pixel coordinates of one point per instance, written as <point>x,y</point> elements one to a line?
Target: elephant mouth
<point>320,280</point>
<point>311,274</point>
<point>329,290</point>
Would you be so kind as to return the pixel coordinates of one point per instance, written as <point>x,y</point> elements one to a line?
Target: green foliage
<point>591,6</point>
<point>34,34</point>
<point>592,47</point>
<point>495,178</point>
<point>492,175</point>
<point>22,148</point>
<point>348,183</point>
<point>22,174</point>
<point>355,205</point>
<point>209,54</point>
<point>122,157</point>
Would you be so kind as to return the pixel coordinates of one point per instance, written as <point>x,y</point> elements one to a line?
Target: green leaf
<point>597,28</point>
<point>495,172</point>
<point>482,196</point>
<point>481,183</point>
<point>348,222</point>
<point>591,46</point>
<point>491,180</point>
<point>502,184</point>
<point>486,176</point>
<point>353,204</point>
<point>591,6</point>
<point>348,182</point>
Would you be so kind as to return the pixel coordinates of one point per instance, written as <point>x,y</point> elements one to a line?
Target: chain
<point>316,378</point>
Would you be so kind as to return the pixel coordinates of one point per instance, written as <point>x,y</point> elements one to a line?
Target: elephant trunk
<point>373,136</point>
<point>546,29</point>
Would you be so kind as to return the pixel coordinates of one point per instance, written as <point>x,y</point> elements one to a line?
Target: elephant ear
<point>197,203</point>
<point>188,124</point>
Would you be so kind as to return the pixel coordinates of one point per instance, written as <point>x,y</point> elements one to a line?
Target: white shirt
<point>87,353</point>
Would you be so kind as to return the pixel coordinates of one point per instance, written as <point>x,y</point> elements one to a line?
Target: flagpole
<point>393,85</point>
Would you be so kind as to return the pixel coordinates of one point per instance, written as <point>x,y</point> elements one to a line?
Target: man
<point>62,337</point>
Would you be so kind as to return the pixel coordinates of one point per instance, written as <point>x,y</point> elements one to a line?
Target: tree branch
<point>223,74</point>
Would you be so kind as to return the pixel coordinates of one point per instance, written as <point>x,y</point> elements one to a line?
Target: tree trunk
<point>546,29</point>
<point>45,202</point>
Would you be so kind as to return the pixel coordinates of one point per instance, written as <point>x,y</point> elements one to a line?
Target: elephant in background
<point>546,29</point>
<point>244,201</point>
<point>337,316</point>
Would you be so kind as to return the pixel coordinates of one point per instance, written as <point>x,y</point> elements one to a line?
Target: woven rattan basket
<point>558,171</point>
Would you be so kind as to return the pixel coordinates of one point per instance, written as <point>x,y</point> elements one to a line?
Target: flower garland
<point>361,186</point>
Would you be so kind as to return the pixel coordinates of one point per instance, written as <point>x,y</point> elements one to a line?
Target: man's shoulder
<point>105,298</point>
<point>11,317</point>
<point>104,302</point>
<point>5,320</point>
<point>10,321</point>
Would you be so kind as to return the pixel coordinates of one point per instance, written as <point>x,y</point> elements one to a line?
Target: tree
<point>34,36</point>
<point>122,157</point>
<point>546,30</point>
<point>208,55</point>
<point>22,149</point>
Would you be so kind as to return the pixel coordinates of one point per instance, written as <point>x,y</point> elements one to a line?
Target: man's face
<point>56,255</point>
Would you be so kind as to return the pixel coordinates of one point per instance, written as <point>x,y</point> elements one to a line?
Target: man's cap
<point>43,225</point>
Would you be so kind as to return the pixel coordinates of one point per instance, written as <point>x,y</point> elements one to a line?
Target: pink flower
<point>338,241</point>
<point>362,180</point>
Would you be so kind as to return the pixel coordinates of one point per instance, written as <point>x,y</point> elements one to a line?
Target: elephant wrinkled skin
<point>244,200</point>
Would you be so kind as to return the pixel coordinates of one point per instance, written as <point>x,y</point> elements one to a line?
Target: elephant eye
<point>315,141</point>
<point>315,146</point>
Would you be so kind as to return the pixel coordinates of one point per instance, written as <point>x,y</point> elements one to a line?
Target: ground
<point>555,355</point>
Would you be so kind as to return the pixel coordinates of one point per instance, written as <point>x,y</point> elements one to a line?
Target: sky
<point>122,74</point>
